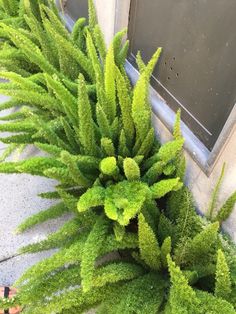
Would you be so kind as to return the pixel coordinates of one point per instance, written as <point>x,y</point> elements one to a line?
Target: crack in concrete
<point>5,259</point>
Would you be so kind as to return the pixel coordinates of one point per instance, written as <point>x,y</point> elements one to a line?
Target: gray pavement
<point>19,200</point>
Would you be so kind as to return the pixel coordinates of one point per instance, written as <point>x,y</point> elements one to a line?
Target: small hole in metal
<point>173,58</point>
<point>177,74</point>
<point>165,63</point>
<point>168,78</point>
<point>171,68</point>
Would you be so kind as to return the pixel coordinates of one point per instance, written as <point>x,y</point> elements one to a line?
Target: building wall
<point>202,185</point>
<point>113,16</point>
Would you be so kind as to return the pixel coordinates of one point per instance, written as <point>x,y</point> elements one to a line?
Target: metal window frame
<point>197,150</point>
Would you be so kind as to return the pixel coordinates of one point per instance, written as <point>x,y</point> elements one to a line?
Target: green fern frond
<point>148,244</point>
<point>68,255</point>
<point>8,151</point>
<point>70,134</point>
<point>107,146</point>
<point>22,138</point>
<point>51,213</point>
<point>50,15</point>
<point>74,171</point>
<point>182,297</point>
<point>93,197</point>
<point>123,145</point>
<point>49,195</point>
<point>77,33</point>
<point>108,166</point>
<point>124,200</point>
<point>117,43</point>
<point>86,128</point>
<point>177,128</point>
<point>225,211</point>
<point>100,42</point>
<point>37,165</point>
<point>122,55</point>
<point>92,248</point>
<point>131,169</point>
<point>103,122</point>
<point>165,251</point>
<point>163,187</point>
<point>140,62</point>
<point>46,286</point>
<point>92,14</point>
<point>125,105</point>
<point>22,82</point>
<point>215,194</point>
<point>223,283</point>
<point>69,231</point>
<point>49,148</point>
<point>201,245</point>
<point>64,96</point>
<point>116,272</point>
<point>21,126</point>
<point>211,304</point>
<point>142,295</point>
<point>147,143</point>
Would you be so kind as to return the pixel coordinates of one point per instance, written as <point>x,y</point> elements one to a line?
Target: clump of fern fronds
<point>41,76</point>
<point>173,263</point>
<point>45,93</point>
<point>135,243</point>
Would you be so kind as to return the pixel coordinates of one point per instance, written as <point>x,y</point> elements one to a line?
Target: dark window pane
<point>77,8</point>
<point>197,70</point>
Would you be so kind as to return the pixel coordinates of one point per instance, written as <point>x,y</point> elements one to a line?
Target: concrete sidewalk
<point>19,200</point>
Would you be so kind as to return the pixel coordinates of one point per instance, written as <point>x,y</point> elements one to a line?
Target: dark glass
<point>197,70</point>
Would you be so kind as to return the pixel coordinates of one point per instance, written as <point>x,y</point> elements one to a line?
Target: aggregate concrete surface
<point>19,200</point>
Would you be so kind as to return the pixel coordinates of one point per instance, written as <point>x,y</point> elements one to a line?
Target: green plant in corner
<point>135,243</point>
<point>226,209</point>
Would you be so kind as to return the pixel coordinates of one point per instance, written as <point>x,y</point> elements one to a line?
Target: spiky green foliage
<point>226,209</point>
<point>50,213</point>
<point>135,243</point>
<point>149,248</point>
<point>91,252</point>
<point>182,297</point>
<point>11,13</point>
<point>223,281</point>
<point>131,169</point>
<point>215,194</point>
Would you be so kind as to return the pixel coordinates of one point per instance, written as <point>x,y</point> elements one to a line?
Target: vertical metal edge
<point>222,139</point>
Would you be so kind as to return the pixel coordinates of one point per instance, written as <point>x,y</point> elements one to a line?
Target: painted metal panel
<point>197,70</point>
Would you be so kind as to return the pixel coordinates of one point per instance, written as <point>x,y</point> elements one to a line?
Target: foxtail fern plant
<point>48,94</point>
<point>35,64</point>
<point>135,243</point>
